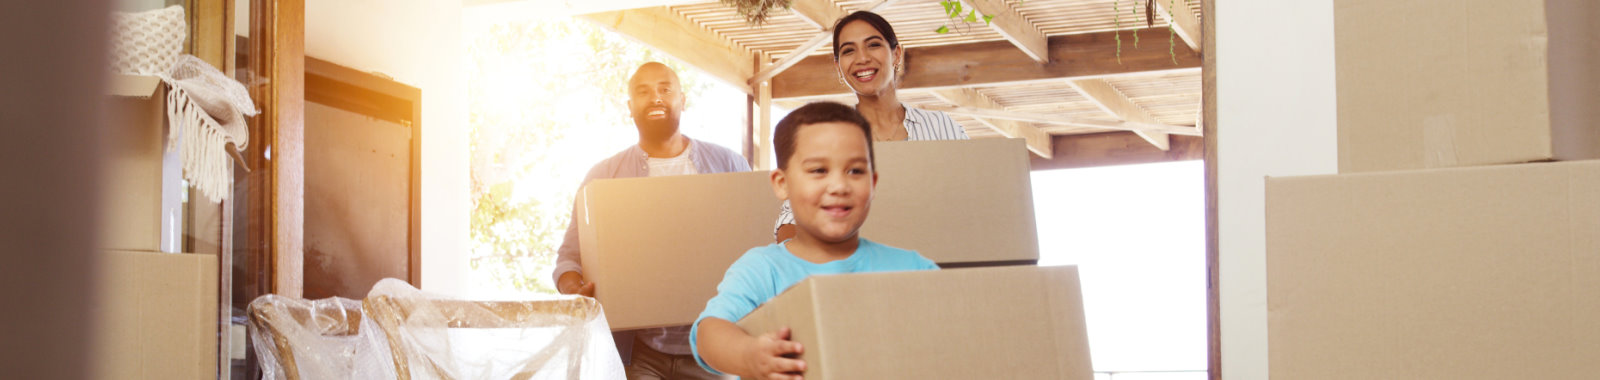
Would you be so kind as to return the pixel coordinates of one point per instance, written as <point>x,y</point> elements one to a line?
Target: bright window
<point>1137,234</point>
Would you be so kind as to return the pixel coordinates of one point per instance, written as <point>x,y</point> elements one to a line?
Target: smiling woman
<point>547,99</point>
<point>869,59</point>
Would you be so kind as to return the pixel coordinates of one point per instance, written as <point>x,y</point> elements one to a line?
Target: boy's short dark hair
<point>818,112</point>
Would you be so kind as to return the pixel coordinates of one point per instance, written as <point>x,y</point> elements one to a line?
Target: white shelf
<point>134,85</point>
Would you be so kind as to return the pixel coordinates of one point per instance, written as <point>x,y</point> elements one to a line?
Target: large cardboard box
<point>1018,322</point>
<point>157,316</point>
<point>956,202</point>
<point>656,248</point>
<point>131,195</point>
<point>1463,273</point>
<point>1438,83</point>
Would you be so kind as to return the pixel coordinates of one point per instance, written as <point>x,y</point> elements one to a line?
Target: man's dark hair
<point>870,18</point>
<point>819,112</point>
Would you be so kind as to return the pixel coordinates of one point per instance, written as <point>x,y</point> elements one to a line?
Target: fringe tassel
<point>201,144</point>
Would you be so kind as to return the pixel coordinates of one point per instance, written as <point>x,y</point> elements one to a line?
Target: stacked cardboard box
<point>131,196</point>
<point>1020,322</point>
<point>1437,83</point>
<point>1440,252</point>
<point>955,202</point>
<point>157,317</point>
<point>157,314</point>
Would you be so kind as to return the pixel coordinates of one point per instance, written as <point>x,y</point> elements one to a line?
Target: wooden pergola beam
<point>1014,28</point>
<point>1187,26</point>
<point>813,11</point>
<point>992,63</point>
<point>1069,121</point>
<point>665,30</point>
<point>1115,148</point>
<point>789,61</point>
<point>819,13</point>
<point>1038,141</point>
<point>1117,104</point>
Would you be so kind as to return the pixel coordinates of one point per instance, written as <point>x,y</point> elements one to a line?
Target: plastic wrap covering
<point>321,339</point>
<point>431,337</point>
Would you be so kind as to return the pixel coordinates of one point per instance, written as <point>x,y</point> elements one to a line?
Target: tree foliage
<point>532,85</point>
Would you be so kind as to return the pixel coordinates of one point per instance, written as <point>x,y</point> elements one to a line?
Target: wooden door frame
<point>277,145</point>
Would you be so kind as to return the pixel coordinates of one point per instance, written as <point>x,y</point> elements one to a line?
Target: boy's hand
<point>774,357</point>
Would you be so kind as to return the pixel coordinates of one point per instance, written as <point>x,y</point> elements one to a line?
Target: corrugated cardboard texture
<point>982,323</point>
<point>1435,83</point>
<point>957,201</point>
<point>1462,273</point>
<point>158,316</point>
<point>131,197</point>
<point>657,247</point>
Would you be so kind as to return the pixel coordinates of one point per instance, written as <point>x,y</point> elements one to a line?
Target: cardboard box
<point>1017,322</point>
<point>1463,273</point>
<point>656,248</point>
<point>956,202</point>
<point>131,195</point>
<point>1429,84</point>
<point>157,316</point>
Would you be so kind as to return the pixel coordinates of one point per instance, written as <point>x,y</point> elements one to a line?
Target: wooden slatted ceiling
<point>1172,98</point>
<point>916,21</point>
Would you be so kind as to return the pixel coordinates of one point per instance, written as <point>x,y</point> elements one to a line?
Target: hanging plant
<point>756,12</point>
<point>952,12</point>
<point>1150,22</point>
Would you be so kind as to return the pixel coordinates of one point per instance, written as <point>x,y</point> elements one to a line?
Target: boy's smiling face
<point>829,181</point>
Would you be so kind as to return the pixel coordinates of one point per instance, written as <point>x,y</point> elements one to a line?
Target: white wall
<point>417,42</point>
<point>1275,117</point>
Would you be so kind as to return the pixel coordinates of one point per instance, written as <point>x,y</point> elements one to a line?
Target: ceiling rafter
<point>1014,28</point>
<point>1117,104</point>
<point>1187,25</point>
<point>994,63</point>
<point>665,30</point>
<point>1038,141</point>
<point>1069,121</point>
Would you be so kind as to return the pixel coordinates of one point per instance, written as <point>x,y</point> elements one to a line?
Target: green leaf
<point>948,5</point>
<point>972,16</point>
<point>942,30</point>
<point>987,18</point>
<point>957,13</point>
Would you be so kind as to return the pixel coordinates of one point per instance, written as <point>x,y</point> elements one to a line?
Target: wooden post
<point>1208,127</point>
<point>278,56</point>
<point>763,104</point>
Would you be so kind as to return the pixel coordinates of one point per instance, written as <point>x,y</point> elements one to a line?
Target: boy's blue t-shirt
<point>765,271</point>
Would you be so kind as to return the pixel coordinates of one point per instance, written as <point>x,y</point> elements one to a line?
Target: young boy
<point>825,171</point>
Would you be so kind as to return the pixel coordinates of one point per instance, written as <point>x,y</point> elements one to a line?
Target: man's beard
<point>661,128</point>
